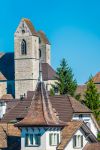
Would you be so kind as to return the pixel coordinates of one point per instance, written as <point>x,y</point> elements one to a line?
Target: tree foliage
<point>92,98</point>
<point>65,79</point>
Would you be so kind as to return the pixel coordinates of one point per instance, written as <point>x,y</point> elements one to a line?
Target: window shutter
<point>74,141</point>
<point>57,139</point>
<point>50,139</point>
<point>82,141</point>
<point>38,139</point>
<point>26,140</point>
<point>31,139</point>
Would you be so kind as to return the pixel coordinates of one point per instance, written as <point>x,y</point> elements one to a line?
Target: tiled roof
<point>64,106</point>
<point>92,146</point>
<point>68,132</point>
<point>12,139</point>
<point>40,111</point>
<point>30,26</point>
<point>3,138</point>
<point>43,37</point>
<point>2,77</point>
<point>78,107</point>
<point>48,73</point>
<point>7,97</point>
<point>16,109</point>
<point>96,78</point>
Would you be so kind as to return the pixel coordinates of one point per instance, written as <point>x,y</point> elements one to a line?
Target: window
<point>2,104</point>
<point>88,124</point>
<point>23,31</point>
<point>39,53</point>
<point>56,90</point>
<point>80,116</point>
<point>32,140</point>
<point>23,47</point>
<point>53,139</point>
<point>78,141</point>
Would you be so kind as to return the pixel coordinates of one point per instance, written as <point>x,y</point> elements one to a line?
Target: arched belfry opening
<point>39,53</point>
<point>23,47</point>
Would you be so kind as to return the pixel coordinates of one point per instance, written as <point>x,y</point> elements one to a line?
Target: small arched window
<point>23,47</point>
<point>39,53</point>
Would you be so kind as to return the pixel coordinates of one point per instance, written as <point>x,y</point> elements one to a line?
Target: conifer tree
<point>92,98</point>
<point>65,79</point>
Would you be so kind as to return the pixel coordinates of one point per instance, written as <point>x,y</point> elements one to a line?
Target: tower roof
<point>41,111</point>
<point>43,37</point>
<point>96,78</point>
<point>30,26</point>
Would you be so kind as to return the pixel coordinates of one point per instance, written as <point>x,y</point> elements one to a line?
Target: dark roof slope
<point>48,73</point>
<point>7,65</point>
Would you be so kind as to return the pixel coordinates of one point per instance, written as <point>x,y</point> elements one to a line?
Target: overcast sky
<point>72,26</point>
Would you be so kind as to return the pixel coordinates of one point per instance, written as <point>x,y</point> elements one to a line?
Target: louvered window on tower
<point>23,47</point>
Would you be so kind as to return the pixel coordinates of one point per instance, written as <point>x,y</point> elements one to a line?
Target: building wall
<point>3,88</point>
<point>44,144</point>
<point>45,52</point>
<point>26,66</point>
<point>70,144</point>
<point>88,119</point>
<point>49,83</point>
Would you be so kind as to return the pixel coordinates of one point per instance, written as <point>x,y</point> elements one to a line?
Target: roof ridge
<point>70,102</point>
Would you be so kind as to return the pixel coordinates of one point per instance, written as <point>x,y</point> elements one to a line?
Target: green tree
<point>65,79</point>
<point>92,98</point>
<point>52,93</point>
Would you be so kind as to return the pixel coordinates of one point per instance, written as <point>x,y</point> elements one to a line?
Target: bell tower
<point>44,48</point>
<point>26,46</point>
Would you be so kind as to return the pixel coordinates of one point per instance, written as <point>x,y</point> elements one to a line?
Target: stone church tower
<point>31,47</point>
<point>26,42</point>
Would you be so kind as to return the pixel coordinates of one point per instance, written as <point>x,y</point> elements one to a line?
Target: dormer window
<point>23,47</point>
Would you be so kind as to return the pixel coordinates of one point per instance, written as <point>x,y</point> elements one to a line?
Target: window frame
<point>23,47</point>
<point>32,140</point>
<point>54,139</point>
<point>77,141</point>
